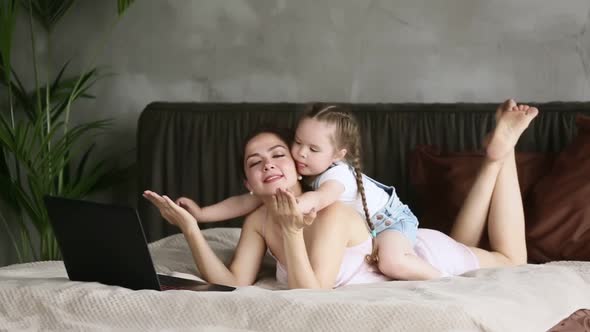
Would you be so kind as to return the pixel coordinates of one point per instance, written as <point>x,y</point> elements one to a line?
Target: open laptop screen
<point>103,243</point>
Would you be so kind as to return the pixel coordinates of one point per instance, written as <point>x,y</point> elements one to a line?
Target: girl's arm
<point>235,206</point>
<point>322,269</point>
<point>328,193</point>
<point>248,255</point>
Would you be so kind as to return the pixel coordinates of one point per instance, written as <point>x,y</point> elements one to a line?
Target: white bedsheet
<point>38,296</point>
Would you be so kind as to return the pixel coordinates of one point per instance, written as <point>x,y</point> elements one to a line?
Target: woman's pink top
<point>447,255</point>
<point>444,253</point>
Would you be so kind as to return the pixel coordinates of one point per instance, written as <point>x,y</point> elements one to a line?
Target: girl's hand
<point>189,205</point>
<point>284,210</point>
<point>170,211</point>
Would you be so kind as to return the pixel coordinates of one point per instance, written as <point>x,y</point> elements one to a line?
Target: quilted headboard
<point>191,149</point>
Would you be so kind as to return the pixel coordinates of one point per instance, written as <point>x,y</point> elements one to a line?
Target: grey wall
<point>335,50</point>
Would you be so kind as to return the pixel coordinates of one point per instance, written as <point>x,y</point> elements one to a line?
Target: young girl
<point>326,150</point>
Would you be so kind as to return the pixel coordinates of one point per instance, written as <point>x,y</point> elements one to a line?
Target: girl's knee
<point>395,266</point>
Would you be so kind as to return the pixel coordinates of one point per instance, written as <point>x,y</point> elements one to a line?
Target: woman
<point>268,167</point>
<point>329,250</point>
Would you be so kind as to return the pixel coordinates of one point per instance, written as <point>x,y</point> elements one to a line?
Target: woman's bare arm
<point>248,254</point>
<point>320,267</point>
<point>328,239</point>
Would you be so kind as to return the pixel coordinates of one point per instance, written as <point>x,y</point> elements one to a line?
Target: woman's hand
<point>284,210</point>
<point>170,211</point>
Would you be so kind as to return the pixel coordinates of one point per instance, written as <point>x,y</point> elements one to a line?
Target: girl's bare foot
<point>512,120</point>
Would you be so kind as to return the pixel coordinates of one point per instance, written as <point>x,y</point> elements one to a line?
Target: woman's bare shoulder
<point>345,218</point>
<point>255,219</point>
<point>339,212</point>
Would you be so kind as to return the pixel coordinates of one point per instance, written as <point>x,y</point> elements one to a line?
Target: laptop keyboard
<point>170,287</point>
<point>172,283</point>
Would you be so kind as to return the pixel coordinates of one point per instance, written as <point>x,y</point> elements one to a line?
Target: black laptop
<point>106,244</point>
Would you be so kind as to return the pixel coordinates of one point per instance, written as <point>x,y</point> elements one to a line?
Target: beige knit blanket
<point>38,296</point>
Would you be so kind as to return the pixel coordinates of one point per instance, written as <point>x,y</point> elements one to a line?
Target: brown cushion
<point>443,179</point>
<point>579,321</point>
<point>440,181</point>
<point>558,213</point>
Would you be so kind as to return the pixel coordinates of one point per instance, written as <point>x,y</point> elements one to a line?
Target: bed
<point>191,149</point>
<point>38,296</point>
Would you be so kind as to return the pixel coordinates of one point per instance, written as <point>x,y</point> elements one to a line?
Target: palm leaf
<point>21,135</point>
<point>28,206</point>
<point>60,151</point>
<point>43,154</point>
<point>22,98</point>
<point>100,177</point>
<point>63,87</point>
<point>122,6</point>
<point>12,238</point>
<point>26,137</point>
<point>48,12</point>
<point>4,170</point>
<point>44,143</point>
<point>6,135</point>
<point>38,188</point>
<point>82,164</point>
<point>85,184</point>
<point>72,89</point>
<point>114,176</point>
<point>7,192</point>
<point>55,83</point>
<point>8,10</point>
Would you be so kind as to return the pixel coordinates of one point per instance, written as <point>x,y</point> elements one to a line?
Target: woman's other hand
<point>285,211</point>
<point>171,211</point>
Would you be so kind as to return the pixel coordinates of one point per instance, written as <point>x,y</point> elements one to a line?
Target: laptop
<point>106,243</point>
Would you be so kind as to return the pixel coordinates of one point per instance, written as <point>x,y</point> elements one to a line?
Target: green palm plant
<point>42,152</point>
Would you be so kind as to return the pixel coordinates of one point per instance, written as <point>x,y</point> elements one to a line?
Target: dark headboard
<point>191,149</point>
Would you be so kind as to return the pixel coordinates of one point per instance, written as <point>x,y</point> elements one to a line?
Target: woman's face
<point>268,165</point>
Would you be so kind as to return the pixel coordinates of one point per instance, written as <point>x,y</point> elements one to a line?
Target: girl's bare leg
<point>398,260</point>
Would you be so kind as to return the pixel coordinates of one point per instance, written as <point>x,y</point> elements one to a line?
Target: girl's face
<point>314,149</point>
<point>268,165</point>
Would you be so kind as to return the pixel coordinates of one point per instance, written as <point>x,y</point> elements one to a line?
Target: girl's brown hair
<point>346,136</point>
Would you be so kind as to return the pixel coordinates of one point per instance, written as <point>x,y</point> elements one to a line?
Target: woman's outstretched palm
<point>170,211</point>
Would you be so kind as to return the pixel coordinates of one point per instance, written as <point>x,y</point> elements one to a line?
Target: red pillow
<point>443,180</point>
<point>558,213</point>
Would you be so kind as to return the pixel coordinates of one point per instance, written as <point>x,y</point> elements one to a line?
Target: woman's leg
<point>471,220</point>
<point>506,227</point>
<point>504,211</point>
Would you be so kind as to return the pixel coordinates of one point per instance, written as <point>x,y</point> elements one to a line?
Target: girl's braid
<point>355,160</point>
<point>347,135</point>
